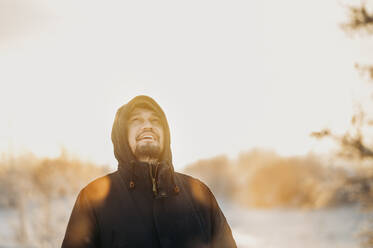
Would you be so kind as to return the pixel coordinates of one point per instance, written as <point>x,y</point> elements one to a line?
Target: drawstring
<point>132,182</point>
<point>176,188</point>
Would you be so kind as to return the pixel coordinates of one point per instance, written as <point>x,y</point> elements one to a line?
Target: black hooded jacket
<point>127,208</point>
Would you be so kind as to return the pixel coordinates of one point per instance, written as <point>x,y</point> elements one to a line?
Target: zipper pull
<point>153,178</point>
<point>154,186</point>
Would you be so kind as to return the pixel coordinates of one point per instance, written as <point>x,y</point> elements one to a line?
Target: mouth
<point>147,136</point>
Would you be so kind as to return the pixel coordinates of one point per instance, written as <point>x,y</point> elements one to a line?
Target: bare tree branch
<point>359,20</point>
<point>365,70</point>
<point>351,142</point>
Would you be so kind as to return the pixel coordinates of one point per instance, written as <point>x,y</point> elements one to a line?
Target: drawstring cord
<point>132,182</point>
<point>176,188</point>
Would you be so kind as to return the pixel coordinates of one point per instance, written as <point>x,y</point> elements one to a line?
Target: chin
<point>148,149</point>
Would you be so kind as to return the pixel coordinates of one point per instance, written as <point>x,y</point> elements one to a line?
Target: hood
<point>119,134</point>
<point>122,151</point>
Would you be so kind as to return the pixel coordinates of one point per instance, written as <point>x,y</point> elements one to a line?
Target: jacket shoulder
<point>190,178</point>
<point>196,187</point>
<point>98,189</point>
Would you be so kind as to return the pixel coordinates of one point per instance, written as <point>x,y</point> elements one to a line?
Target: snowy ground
<point>284,228</point>
<point>279,228</point>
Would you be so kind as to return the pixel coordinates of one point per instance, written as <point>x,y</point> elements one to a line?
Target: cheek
<point>131,136</point>
<point>161,136</point>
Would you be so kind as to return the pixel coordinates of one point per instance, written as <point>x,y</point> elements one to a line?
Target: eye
<point>156,121</point>
<point>135,119</point>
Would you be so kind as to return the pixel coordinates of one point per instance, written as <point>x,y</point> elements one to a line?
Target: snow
<point>270,228</point>
<point>293,228</point>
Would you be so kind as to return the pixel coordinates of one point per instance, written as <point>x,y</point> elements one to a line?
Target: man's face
<point>145,134</point>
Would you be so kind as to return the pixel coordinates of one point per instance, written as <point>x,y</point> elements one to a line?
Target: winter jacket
<point>144,205</point>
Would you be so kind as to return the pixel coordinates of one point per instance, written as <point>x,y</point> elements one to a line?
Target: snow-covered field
<point>274,228</point>
<point>284,228</point>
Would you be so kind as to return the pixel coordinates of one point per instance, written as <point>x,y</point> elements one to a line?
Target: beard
<point>151,151</point>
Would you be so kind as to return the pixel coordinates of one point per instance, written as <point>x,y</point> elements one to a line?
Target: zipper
<point>154,182</point>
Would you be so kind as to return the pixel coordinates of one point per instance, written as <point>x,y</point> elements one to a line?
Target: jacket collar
<point>161,175</point>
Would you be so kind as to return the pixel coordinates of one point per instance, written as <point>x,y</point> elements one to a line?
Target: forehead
<point>143,111</point>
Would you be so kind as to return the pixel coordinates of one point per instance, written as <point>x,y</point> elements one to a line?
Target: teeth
<point>147,137</point>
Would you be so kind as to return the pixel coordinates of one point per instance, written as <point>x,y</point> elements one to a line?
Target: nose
<point>147,124</point>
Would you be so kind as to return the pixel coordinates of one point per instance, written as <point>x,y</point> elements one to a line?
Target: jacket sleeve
<point>221,232</point>
<point>82,228</point>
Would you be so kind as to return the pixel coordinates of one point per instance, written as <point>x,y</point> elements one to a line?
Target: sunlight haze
<point>230,75</point>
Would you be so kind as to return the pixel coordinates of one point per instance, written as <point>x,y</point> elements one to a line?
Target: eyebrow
<point>137,112</point>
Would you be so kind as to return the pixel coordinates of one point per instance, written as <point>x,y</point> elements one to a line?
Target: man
<point>145,203</point>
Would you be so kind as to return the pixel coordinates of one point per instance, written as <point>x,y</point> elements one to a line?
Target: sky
<point>230,75</point>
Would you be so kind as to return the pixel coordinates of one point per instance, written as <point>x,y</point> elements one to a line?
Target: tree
<point>353,143</point>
